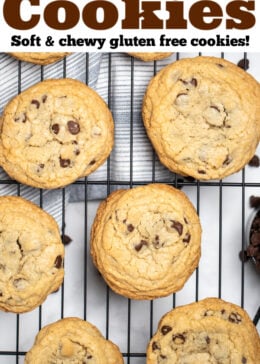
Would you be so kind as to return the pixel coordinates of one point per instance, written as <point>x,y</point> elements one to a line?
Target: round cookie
<point>54,133</point>
<point>31,255</point>
<point>202,116</point>
<point>150,56</point>
<point>72,340</point>
<point>208,331</point>
<point>146,241</point>
<point>41,58</point>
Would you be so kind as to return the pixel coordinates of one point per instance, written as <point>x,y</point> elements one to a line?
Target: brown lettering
<point>13,18</point>
<point>89,15</point>
<point>176,19</point>
<point>198,13</point>
<point>133,15</point>
<point>51,15</point>
<point>247,20</point>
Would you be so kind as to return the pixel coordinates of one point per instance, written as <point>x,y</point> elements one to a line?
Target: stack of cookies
<point>202,118</point>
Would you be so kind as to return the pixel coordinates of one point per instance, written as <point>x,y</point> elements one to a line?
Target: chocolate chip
<point>254,162</point>
<point>21,118</point>
<point>243,256</point>
<point>244,64</point>
<point>194,82</point>
<point>91,163</point>
<point>44,98</point>
<point>1,294</point>
<point>55,128</point>
<point>89,357</point>
<point>19,246</point>
<point>254,201</point>
<point>200,171</point>
<point>58,262</point>
<point>130,228</point>
<point>243,360</point>
<point>179,339</point>
<point>77,152</point>
<point>165,329</point>
<point>220,65</point>
<point>223,312</point>
<point>255,239</point>
<point>186,238</point>
<point>227,161</point>
<point>64,163</point>
<point>66,239</point>
<point>234,318</point>
<point>139,246</point>
<point>163,356</point>
<point>207,340</point>
<point>41,165</point>
<point>36,103</point>
<point>74,127</point>
<point>155,346</point>
<point>177,226</point>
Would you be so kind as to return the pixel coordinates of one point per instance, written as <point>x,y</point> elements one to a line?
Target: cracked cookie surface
<point>150,56</point>
<point>31,255</point>
<point>54,133</point>
<point>202,117</point>
<point>41,58</point>
<point>210,331</point>
<point>72,340</point>
<point>146,241</point>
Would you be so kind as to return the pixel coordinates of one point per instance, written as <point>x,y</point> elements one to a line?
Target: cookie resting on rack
<point>202,116</point>
<point>205,332</point>
<point>42,58</point>
<point>72,340</point>
<point>54,133</point>
<point>31,255</point>
<point>150,56</point>
<point>146,241</point>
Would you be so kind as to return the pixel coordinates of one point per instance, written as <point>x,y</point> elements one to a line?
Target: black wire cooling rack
<point>126,322</point>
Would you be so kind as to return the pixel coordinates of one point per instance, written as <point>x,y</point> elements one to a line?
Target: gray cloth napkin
<point>121,80</point>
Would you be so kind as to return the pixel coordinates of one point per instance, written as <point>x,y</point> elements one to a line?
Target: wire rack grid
<point>222,206</point>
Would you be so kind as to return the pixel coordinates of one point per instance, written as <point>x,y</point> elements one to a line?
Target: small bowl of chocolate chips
<point>252,251</point>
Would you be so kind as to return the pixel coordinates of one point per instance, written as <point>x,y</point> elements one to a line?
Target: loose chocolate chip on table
<point>254,162</point>
<point>66,239</point>
<point>55,128</point>
<point>243,256</point>
<point>255,239</point>
<point>58,262</point>
<point>165,329</point>
<point>177,226</point>
<point>179,339</point>
<point>244,64</point>
<point>155,346</point>
<point>64,163</point>
<point>139,246</point>
<point>74,127</point>
<point>36,103</point>
<point>254,201</point>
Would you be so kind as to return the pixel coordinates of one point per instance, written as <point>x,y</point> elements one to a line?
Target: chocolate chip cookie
<point>202,116</point>
<point>41,58</point>
<point>146,241</point>
<point>31,255</point>
<point>72,340</point>
<point>150,56</point>
<point>208,331</point>
<point>54,133</point>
